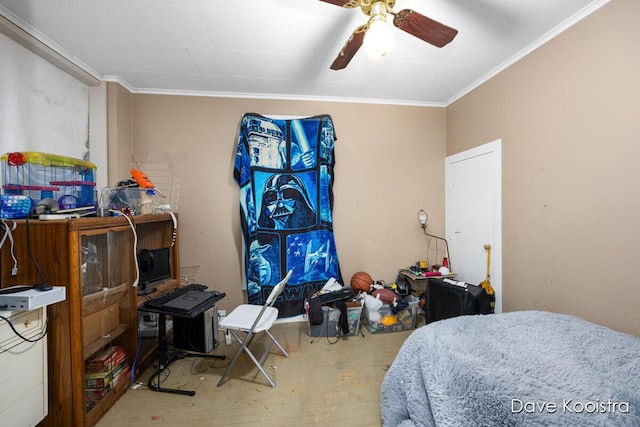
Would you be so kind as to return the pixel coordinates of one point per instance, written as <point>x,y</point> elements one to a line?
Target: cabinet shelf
<point>93,347</point>
<point>97,301</point>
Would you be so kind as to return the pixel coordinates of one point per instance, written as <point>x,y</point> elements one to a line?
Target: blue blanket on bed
<point>528,368</point>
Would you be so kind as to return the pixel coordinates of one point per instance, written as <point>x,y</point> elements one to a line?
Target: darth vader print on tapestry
<point>284,168</point>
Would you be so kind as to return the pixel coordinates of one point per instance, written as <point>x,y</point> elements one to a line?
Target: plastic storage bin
<point>389,322</point>
<point>329,327</point>
<point>68,181</point>
<point>128,200</point>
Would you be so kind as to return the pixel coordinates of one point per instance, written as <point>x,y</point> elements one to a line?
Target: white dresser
<point>23,368</point>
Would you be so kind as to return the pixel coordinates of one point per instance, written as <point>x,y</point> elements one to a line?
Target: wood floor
<point>321,383</point>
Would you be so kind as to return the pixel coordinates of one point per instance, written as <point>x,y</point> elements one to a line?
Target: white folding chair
<point>248,320</point>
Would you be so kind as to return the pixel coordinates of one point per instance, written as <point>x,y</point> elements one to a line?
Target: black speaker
<point>445,300</point>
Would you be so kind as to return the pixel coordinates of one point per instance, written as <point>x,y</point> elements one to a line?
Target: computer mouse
<point>42,287</point>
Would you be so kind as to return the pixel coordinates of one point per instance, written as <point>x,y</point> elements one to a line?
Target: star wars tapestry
<point>284,168</point>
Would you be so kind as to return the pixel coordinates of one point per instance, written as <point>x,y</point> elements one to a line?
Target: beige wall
<point>119,128</point>
<point>389,164</point>
<point>569,118</point>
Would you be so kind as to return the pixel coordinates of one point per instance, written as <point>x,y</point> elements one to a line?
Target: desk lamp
<point>422,219</point>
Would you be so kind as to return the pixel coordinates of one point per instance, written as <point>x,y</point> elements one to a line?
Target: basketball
<point>361,282</point>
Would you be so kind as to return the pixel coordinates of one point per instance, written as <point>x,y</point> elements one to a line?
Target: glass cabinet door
<point>107,276</point>
<point>106,261</point>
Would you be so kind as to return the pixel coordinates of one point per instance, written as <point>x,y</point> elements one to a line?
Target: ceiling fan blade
<point>424,28</point>
<point>343,3</point>
<point>350,48</point>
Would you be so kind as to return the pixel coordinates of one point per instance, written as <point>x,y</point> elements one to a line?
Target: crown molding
<point>27,36</point>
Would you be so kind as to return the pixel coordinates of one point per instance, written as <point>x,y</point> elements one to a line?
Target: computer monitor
<point>153,265</point>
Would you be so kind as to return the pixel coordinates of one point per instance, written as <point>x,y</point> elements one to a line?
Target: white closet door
<point>473,214</point>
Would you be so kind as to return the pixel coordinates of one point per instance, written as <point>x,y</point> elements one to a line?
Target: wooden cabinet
<point>94,259</point>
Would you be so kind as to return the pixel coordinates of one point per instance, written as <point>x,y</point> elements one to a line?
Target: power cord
<point>175,228</point>
<point>8,234</point>
<point>135,244</point>
<point>42,285</point>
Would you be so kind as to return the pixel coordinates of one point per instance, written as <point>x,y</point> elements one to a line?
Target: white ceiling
<point>282,49</point>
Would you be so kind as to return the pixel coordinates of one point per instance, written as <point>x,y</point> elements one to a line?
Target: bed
<point>530,368</point>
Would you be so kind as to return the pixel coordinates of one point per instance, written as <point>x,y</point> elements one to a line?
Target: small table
<point>418,282</point>
<point>165,359</point>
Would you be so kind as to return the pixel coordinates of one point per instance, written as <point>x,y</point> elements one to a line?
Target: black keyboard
<point>339,295</point>
<point>159,302</point>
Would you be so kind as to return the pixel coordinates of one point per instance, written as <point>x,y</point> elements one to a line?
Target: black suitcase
<point>445,300</point>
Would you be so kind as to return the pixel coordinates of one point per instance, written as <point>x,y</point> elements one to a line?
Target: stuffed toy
<point>372,304</point>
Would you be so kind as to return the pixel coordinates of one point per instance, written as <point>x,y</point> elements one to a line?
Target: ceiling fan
<point>407,20</point>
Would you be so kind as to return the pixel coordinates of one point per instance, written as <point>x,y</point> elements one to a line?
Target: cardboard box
<point>98,380</point>
<point>106,360</point>
<point>101,380</point>
<point>92,397</point>
<point>387,321</point>
<point>121,375</point>
<point>100,323</point>
<point>330,317</point>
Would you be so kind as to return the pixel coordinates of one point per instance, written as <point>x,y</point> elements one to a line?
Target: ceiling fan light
<point>378,39</point>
